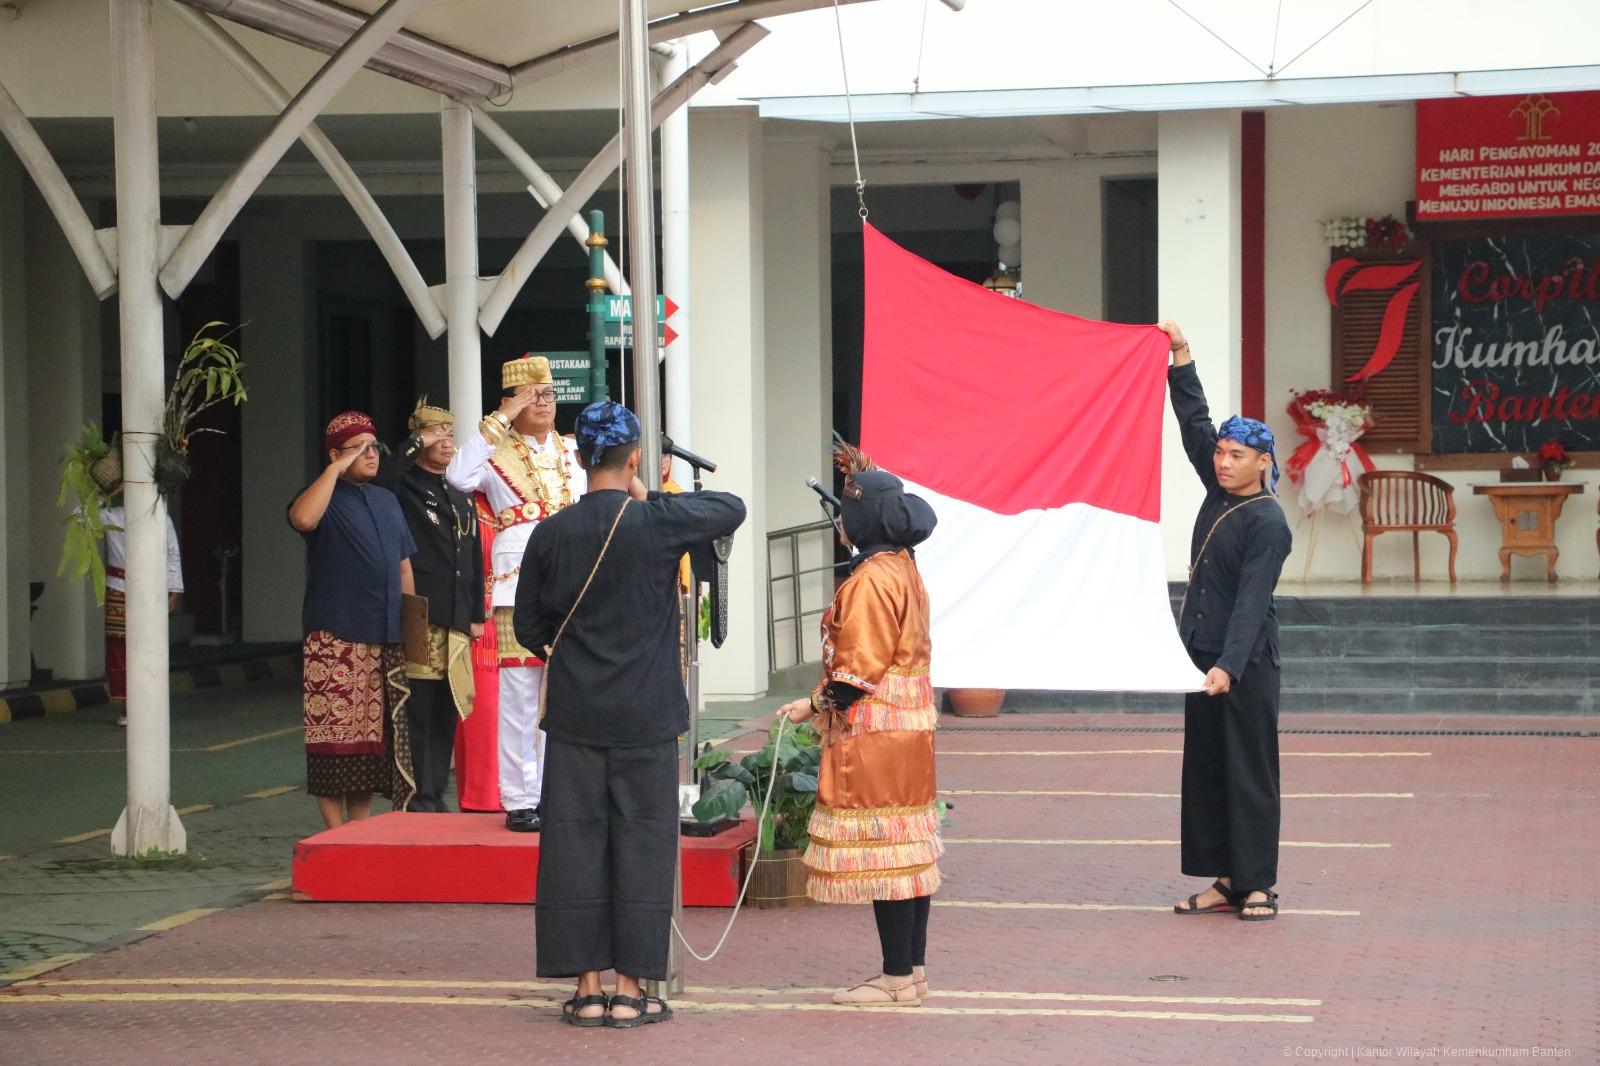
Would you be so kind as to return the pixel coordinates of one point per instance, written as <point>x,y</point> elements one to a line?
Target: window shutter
<point>1399,395</point>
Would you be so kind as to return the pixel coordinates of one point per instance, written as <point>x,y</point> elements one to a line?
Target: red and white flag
<point>1036,436</point>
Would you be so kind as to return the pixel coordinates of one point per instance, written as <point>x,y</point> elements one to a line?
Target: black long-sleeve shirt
<point>448,565</point>
<point>614,680</point>
<point>1228,611</point>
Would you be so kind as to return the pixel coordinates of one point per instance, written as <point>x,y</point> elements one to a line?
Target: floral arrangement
<point>1353,232</point>
<point>1324,468</point>
<point>1555,457</point>
<point>1337,410</point>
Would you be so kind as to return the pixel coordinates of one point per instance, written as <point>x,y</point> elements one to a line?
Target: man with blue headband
<point>599,598</point>
<point>1231,802</point>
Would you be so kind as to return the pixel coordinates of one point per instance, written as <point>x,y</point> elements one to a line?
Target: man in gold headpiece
<point>448,572</point>
<point>528,472</point>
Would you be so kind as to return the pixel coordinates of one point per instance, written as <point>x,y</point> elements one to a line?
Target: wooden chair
<point>1400,501</point>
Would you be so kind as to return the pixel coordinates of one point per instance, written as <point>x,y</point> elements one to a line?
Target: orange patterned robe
<point>875,830</point>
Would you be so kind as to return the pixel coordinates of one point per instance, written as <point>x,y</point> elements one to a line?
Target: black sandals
<point>570,1009</point>
<point>1230,902</point>
<point>642,1016</point>
<point>1270,902</point>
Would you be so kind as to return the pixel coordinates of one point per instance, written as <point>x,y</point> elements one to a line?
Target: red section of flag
<point>1004,404</point>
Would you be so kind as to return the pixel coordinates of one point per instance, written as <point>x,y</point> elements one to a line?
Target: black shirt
<point>353,566</point>
<point>448,565</point>
<point>614,680</point>
<point>1228,610</point>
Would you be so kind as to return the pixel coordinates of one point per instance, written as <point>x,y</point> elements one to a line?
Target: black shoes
<point>525,820</point>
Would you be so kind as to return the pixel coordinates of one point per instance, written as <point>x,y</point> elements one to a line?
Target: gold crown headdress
<point>425,415</point>
<point>528,369</point>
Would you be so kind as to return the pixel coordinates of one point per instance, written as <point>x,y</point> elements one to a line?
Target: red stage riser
<point>473,858</point>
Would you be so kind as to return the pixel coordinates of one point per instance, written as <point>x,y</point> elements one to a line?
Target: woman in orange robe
<point>875,829</point>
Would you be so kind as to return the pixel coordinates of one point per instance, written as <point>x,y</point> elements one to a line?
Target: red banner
<point>1508,156</point>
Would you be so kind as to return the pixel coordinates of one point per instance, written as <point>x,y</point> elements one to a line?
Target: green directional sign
<point>571,373</point>
<point>620,308</point>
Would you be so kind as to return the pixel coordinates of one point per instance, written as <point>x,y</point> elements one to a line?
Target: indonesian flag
<point>1036,436</point>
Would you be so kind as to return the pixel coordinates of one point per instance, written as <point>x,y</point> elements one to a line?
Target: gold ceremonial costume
<point>875,830</point>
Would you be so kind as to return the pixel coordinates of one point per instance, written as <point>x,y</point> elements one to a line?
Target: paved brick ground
<point>1473,928</point>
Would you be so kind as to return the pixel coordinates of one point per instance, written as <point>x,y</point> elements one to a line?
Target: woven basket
<point>106,471</point>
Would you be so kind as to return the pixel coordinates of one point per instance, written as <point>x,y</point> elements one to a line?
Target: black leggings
<point>903,933</point>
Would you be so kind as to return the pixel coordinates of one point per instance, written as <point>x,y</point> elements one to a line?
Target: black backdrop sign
<point>1516,343</point>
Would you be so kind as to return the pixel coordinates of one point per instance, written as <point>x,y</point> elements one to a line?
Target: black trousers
<point>1231,804</point>
<point>902,933</point>
<point>607,856</point>
<point>432,717</point>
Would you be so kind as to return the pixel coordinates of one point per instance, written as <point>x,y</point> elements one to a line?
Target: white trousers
<point>521,748</point>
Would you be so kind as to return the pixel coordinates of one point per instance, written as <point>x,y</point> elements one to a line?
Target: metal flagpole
<point>640,191</point>
<point>148,823</point>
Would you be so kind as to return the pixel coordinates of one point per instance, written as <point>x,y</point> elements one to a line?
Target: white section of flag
<point>1070,598</point>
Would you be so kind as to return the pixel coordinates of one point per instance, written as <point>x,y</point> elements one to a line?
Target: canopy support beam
<point>588,182</point>
<point>58,195</point>
<point>339,170</point>
<point>225,206</point>
<point>148,823</point>
<point>545,189</point>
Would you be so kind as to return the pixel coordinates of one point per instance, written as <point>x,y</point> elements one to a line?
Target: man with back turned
<point>599,595</point>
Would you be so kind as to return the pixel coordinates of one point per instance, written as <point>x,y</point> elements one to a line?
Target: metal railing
<point>790,539</point>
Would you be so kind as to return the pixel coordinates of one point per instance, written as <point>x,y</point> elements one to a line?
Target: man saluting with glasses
<point>528,472</point>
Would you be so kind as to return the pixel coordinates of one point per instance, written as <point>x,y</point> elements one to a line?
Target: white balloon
<point>1007,231</point>
<point>1011,254</point>
<point>1009,209</point>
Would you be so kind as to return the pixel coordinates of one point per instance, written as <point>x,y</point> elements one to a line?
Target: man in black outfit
<point>448,568</point>
<point>599,595</point>
<point>1230,729</point>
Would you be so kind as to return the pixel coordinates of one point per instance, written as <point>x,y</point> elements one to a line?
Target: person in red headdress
<point>358,563</point>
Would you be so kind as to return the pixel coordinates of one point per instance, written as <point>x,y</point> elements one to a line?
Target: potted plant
<point>779,879</point>
<point>1553,455</point>
<point>977,702</point>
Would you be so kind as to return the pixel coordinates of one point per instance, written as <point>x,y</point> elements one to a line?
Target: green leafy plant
<point>80,554</point>
<point>795,758</point>
<point>209,372</point>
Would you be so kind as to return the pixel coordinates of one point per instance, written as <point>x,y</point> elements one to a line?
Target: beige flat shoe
<point>919,981</point>
<point>880,991</point>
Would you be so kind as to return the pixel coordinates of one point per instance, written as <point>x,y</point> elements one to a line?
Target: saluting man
<point>448,572</point>
<point>1231,802</point>
<point>528,472</point>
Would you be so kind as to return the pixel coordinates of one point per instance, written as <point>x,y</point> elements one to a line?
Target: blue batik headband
<point>1252,434</point>
<point>604,424</point>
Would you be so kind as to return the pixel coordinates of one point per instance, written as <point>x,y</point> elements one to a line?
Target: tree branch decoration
<point>209,373</point>
<point>87,465</point>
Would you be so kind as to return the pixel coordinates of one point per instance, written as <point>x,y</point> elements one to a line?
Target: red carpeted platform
<point>473,858</point>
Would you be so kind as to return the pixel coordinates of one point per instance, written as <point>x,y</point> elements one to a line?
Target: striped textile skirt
<point>875,829</point>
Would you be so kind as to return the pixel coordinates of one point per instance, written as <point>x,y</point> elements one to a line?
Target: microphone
<point>828,498</point>
<point>686,455</point>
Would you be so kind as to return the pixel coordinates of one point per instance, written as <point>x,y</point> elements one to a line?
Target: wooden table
<point>1528,513</point>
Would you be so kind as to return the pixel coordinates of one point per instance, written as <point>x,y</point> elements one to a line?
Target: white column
<point>15,501</point>
<point>799,372</point>
<point>281,425</point>
<point>64,353</point>
<point>726,277</point>
<point>1062,238</point>
<point>675,265</point>
<point>1198,278</point>
<point>461,265</point>
<point>148,822</point>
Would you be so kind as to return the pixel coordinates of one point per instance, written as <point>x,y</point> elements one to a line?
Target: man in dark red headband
<point>358,562</point>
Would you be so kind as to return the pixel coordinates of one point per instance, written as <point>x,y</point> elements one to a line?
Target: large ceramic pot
<point>779,879</point>
<point>977,702</point>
